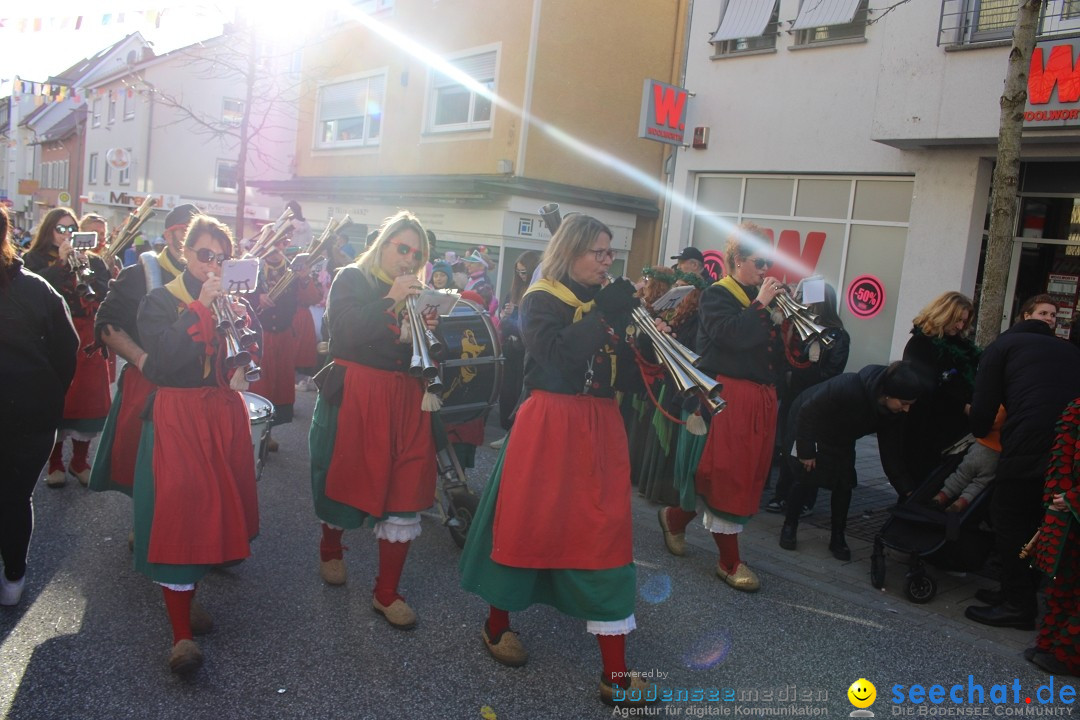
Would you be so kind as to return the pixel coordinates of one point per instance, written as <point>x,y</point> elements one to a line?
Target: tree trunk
<point>1006,176</point>
<point>241,160</point>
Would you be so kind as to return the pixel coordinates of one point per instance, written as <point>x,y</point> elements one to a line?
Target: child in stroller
<point>975,471</point>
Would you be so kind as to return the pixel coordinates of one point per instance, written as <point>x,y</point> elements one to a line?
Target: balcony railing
<point>973,22</point>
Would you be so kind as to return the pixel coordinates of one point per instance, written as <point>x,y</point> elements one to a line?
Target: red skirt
<point>278,380</point>
<point>205,505</point>
<point>738,451</point>
<point>564,495</point>
<point>303,325</point>
<point>384,450</point>
<point>128,430</point>
<point>88,398</point>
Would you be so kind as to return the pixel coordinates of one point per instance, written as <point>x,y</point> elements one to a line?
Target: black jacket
<point>60,276</point>
<point>37,353</point>
<point>1034,374</point>
<point>736,341</point>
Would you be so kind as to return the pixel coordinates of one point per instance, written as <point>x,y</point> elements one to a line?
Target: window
<point>112,106</point>
<point>225,176</point>
<point>129,104</point>
<point>1070,9</point>
<point>350,113</point>
<point>91,175</point>
<point>65,167</point>
<point>232,111</point>
<point>96,113</point>
<point>457,107</point>
<point>746,26</point>
<point>821,21</point>
<point>124,177</point>
<point>45,175</point>
<point>108,173</point>
<point>993,19</point>
<point>373,6</point>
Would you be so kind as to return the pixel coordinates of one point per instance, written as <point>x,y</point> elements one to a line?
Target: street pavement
<point>90,638</point>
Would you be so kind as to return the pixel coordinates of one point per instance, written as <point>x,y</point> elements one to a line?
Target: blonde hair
<point>392,227</point>
<point>740,244</point>
<point>573,238</point>
<point>945,311</point>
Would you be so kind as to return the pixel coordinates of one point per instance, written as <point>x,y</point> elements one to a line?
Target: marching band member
<point>37,361</point>
<point>569,546</point>
<point>739,345</point>
<point>116,328</point>
<point>87,401</point>
<point>278,381</point>
<point>372,449</point>
<point>308,294</point>
<point>195,500</point>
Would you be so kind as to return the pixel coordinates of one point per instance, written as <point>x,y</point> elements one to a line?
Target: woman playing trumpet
<point>87,403</point>
<point>739,345</point>
<point>194,494</point>
<point>372,450</point>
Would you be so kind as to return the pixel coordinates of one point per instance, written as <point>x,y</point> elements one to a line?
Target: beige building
<point>385,123</point>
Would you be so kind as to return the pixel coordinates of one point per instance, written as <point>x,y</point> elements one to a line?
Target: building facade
<point>864,138</point>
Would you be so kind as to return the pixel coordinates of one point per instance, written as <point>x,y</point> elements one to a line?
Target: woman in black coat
<point>37,361</point>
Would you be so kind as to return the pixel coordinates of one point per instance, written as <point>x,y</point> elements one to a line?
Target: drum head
<point>258,407</point>
<point>472,366</point>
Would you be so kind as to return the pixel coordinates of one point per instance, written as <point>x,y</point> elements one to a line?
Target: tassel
<point>695,425</point>
<point>431,403</point>
<point>238,381</point>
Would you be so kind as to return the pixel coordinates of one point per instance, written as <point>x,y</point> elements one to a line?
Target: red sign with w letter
<point>663,112</point>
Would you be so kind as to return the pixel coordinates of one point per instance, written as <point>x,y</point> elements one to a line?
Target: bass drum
<point>260,414</point>
<point>472,366</point>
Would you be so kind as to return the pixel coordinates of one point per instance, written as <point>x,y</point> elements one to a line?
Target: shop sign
<point>663,112</point>
<point>251,212</point>
<point>28,187</point>
<point>866,296</point>
<point>1053,85</point>
<point>64,198</point>
<point>129,200</point>
<point>794,258</point>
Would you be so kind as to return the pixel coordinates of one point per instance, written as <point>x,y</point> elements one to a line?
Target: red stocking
<point>330,547</point>
<point>678,519</point>
<point>391,563</point>
<point>498,621</point>
<point>178,606</point>
<point>613,655</point>
<point>728,545</point>
<point>79,450</point>
<point>56,459</point>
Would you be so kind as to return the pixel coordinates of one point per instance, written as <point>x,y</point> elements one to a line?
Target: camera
<point>84,240</point>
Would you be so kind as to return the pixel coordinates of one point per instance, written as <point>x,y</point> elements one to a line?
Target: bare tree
<point>1006,175</point>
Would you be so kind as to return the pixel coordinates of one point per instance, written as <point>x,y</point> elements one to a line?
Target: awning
<point>819,13</point>
<point>744,19</point>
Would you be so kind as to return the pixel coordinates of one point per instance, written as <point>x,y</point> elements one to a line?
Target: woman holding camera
<point>82,279</point>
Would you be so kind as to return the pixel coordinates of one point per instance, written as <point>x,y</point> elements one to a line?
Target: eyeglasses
<point>405,249</point>
<point>762,263</point>
<point>522,273</point>
<point>66,229</point>
<point>206,255</point>
<point>602,254</point>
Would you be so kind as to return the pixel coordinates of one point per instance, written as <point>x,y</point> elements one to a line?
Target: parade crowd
<point>591,410</point>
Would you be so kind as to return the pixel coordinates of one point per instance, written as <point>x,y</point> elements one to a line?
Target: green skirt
<point>101,471</point>
<point>603,595</point>
<point>687,455</point>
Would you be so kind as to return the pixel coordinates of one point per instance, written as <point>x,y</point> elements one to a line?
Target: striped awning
<point>744,19</point>
<point>819,13</point>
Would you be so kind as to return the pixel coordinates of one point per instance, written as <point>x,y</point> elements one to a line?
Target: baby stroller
<point>949,541</point>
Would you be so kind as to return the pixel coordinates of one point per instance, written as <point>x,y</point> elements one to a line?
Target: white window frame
<point>217,176</point>
<point>226,117</point>
<point>438,82</point>
<point>854,31</point>
<point>63,179</point>
<point>108,174</point>
<point>129,104</point>
<point>91,170</point>
<point>766,42</point>
<point>124,176</point>
<point>112,107</point>
<point>95,118</point>
<point>373,87</point>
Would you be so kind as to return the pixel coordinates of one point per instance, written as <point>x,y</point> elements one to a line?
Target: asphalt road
<point>90,639</point>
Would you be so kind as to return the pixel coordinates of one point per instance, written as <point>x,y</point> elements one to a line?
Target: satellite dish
<point>119,158</point>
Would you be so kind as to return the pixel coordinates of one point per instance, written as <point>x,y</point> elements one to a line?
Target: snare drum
<point>260,413</point>
<point>472,366</point>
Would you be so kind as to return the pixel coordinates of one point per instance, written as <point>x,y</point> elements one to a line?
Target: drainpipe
<point>669,163</point>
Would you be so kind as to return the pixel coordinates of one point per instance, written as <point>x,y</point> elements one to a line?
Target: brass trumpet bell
<point>680,362</point>
<point>804,321</point>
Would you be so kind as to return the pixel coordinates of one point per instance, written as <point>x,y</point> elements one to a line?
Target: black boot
<point>838,546</point>
<point>788,534</point>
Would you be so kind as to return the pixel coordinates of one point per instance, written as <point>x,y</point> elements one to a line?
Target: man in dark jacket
<point>1034,374</point>
<point>824,423</point>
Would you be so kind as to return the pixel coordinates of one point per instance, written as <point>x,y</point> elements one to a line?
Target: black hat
<point>181,215</point>
<point>690,253</point>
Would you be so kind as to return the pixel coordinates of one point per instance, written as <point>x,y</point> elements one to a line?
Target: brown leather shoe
<point>742,579</point>
<point>186,657</point>
<point>56,479</point>
<point>507,648</point>
<point>675,542</point>
<point>201,622</point>
<point>397,613</point>
<point>333,571</point>
<point>639,693</point>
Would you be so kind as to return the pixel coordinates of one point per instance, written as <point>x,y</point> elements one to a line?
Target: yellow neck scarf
<point>384,276</point>
<point>179,291</point>
<point>563,293</point>
<point>166,263</point>
<point>735,289</point>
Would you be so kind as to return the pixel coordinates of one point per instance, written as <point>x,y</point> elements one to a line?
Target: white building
<point>170,127</point>
<point>865,141</point>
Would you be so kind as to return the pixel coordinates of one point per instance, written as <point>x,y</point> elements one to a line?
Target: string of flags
<point>78,22</point>
<point>51,92</point>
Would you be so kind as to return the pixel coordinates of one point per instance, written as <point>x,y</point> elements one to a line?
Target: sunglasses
<point>603,254</point>
<point>762,263</point>
<point>206,255</point>
<point>405,249</point>
<point>66,229</point>
<point>522,273</point>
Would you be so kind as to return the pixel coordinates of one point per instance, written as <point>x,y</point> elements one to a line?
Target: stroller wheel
<point>877,568</point>
<point>463,506</point>
<point>920,588</point>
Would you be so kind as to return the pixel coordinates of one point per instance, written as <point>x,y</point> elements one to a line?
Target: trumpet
<point>804,321</point>
<point>270,234</point>
<point>316,247</point>
<point>680,362</point>
<point>239,338</point>
<point>425,346</point>
<point>127,232</point>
